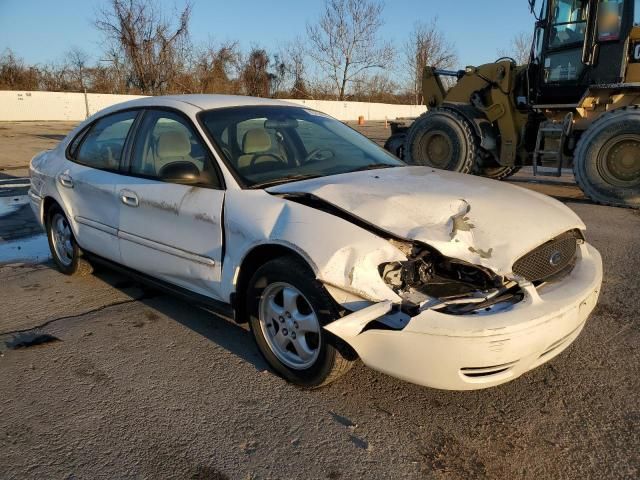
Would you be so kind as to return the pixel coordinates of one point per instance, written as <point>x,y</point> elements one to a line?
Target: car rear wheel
<point>287,309</point>
<point>64,248</point>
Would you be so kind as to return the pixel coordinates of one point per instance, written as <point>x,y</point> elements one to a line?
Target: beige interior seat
<point>172,146</point>
<point>255,142</point>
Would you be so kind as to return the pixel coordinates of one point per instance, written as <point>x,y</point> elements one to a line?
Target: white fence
<point>28,106</point>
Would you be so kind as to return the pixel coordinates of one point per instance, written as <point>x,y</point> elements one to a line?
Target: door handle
<point>129,198</point>
<point>65,180</point>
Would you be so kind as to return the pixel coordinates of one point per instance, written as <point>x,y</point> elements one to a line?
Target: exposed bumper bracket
<point>353,324</point>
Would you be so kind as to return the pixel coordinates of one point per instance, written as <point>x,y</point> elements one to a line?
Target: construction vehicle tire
<point>496,173</point>
<point>606,161</point>
<point>395,144</point>
<point>442,138</point>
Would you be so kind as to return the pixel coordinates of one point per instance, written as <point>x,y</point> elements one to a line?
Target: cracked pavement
<point>143,385</point>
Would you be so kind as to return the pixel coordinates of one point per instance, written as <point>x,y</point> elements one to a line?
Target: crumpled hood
<point>478,220</point>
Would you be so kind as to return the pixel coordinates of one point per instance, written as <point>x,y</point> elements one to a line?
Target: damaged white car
<point>328,246</point>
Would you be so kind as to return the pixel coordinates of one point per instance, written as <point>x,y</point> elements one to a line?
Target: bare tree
<point>320,89</point>
<point>56,77</point>
<point>520,49</point>
<point>344,42</point>
<point>78,60</point>
<point>151,47</point>
<point>105,79</point>
<point>211,70</point>
<point>116,69</point>
<point>255,76</point>
<point>278,77</point>
<point>376,88</point>
<point>291,60</point>
<point>426,46</point>
<point>15,75</point>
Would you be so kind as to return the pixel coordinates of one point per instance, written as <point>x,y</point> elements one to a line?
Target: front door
<point>171,205</point>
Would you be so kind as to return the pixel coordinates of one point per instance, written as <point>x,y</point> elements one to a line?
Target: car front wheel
<point>288,308</point>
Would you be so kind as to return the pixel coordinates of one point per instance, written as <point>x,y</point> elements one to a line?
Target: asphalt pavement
<point>131,383</point>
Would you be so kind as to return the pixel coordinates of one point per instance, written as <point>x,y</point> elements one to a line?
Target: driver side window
<point>167,141</point>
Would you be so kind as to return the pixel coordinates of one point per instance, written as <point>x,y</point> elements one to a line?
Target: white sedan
<point>331,248</point>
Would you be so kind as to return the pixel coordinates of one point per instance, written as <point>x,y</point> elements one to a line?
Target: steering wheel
<point>261,155</point>
<point>314,155</point>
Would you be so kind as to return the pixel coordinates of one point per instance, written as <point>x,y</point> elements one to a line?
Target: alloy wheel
<point>290,325</point>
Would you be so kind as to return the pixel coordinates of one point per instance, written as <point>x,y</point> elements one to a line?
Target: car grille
<point>549,259</point>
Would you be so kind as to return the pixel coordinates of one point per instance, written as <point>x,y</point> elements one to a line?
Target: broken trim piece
<point>354,323</point>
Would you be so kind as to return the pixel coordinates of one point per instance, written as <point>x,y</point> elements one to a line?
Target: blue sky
<point>41,31</point>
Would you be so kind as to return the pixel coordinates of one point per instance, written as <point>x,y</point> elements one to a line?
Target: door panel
<point>88,185</point>
<point>169,230</point>
<point>93,207</point>
<point>174,233</point>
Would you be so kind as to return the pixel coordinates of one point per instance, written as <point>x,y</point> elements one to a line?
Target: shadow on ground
<point>226,333</point>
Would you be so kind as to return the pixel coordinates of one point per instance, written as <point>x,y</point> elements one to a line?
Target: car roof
<point>203,101</point>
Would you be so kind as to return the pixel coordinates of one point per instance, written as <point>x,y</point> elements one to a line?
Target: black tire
<point>606,162</point>
<point>395,144</point>
<point>73,264</point>
<point>334,357</point>
<point>442,138</point>
<point>496,173</point>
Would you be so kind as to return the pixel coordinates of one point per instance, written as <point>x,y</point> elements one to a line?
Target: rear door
<point>171,228</point>
<point>87,183</point>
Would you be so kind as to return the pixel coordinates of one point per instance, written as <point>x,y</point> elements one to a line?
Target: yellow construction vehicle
<point>576,103</point>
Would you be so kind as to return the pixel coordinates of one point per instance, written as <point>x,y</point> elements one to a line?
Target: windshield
<point>268,145</point>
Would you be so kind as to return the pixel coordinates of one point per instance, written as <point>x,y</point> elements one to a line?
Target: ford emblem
<point>555,259</point>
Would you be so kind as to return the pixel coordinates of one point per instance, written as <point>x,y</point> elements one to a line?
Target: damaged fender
<point>342,255</point>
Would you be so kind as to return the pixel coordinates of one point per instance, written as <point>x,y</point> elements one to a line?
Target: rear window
<point>102,146</point>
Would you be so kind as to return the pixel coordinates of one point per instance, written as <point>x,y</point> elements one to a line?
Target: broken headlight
<point>427,279</point>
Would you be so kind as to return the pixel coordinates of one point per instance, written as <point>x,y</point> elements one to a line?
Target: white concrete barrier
<point>370,111</point>
<point>17,106</point>
<point>26,106</point>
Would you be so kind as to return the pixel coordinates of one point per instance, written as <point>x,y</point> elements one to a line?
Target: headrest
<point>255,141</point>
<point>174,143</point>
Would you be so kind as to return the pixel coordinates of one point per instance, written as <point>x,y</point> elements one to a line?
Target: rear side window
<point>75,143</point>
<point>103,145</point>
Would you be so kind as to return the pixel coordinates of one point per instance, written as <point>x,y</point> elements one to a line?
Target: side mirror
<point>180,172</point>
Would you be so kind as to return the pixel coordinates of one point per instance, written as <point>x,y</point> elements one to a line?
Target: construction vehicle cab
<point>574,104</point>
<point>578,43</point>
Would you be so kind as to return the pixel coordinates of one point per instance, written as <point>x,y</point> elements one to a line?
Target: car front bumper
<point>480,351</point>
